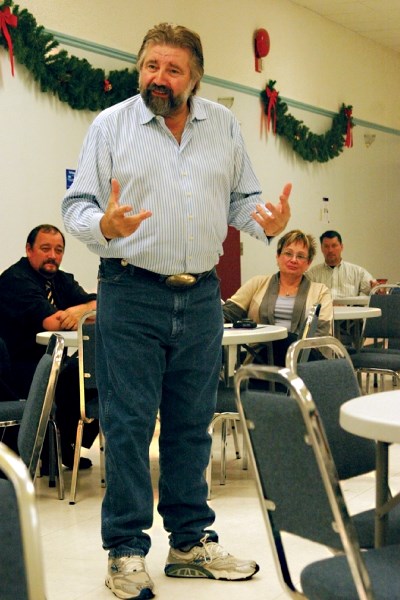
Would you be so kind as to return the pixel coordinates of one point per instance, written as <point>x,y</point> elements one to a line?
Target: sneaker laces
<point>210,551</point>
<point>130,564</point>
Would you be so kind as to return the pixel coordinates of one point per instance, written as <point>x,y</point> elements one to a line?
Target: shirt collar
<point>335,267</point>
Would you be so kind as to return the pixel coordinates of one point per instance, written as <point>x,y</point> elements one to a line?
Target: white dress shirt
<point>194,189</point>
<point>344,280</point>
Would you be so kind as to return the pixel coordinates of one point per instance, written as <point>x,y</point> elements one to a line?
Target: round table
<point>353,313</point>
<point>70,338</point>
<point>351,301</point>
<point>231,337</point>
<point>261,333</point>
<point>377,417</point>
<point>343,313</point>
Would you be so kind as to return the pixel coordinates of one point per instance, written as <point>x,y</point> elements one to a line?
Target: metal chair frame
<point>19,479</point>
<point>230,420</point>
<point>380,344</point>
<point>313,437</point>
<point>84,376</point>
<point>55,350</point>
<point>353,455</point>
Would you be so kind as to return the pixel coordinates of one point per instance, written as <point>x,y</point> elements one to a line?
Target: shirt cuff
<point>96,231</point>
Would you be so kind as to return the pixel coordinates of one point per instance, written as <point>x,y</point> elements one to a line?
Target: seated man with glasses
<point>284,298</point>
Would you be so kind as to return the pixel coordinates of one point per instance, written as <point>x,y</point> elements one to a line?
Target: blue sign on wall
<point>69,175</point>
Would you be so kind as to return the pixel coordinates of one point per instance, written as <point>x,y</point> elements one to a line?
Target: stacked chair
<point>331,383</point>
<point>226,413</point>
<point>382,357</point>
<point>32,415</point>
<point>21,566</point>
<point>299,491</point>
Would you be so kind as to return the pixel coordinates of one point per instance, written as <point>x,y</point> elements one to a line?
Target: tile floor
<point>75,563</point>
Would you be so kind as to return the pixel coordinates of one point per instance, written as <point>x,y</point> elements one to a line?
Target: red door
<point>228,268</point>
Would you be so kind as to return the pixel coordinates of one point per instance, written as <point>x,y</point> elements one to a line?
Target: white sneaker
<point>127,578</point>
<point>209,560</point>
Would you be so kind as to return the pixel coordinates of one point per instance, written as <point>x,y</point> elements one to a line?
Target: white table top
<point>261,333</point>
<point>232,337</point>
<point>351,301</point>
<point>70,338</point>
<point>374,416</point>
<point>342,313</point>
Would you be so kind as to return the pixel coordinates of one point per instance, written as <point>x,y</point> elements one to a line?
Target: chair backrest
<point>386,288</point>
<point>310,329</point>
<point>39,404</point>
<point>87,363</point>
<point>332,381</point>
<point>21,566</point>
<point>311,323</point>
<point>388,324</point>
<point>296,477</point>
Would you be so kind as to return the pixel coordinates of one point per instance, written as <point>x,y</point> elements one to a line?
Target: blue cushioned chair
<point>331,383</point>
<point>21,567</point>
<point>299,492</point>
<point>32,414</point>
<point>383,356</point>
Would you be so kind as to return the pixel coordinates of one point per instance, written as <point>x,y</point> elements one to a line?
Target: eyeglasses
<point>290,256</point>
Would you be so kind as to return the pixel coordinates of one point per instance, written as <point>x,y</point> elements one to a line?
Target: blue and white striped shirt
<point>194,189</point>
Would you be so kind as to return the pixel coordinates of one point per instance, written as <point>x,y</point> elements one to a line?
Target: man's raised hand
<point>115,222</point>
<point>273,219</point>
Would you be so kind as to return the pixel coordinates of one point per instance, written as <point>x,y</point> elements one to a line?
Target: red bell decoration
<point>349,133</point>
<point>261,47</point>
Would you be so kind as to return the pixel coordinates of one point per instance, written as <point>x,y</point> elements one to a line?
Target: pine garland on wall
<point>310,146</point>
<point>71,79</point>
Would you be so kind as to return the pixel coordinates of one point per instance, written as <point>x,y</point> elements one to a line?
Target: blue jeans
<point>157,350</point>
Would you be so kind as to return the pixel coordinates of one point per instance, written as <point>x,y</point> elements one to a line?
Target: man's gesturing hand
<point>115,223</point>
<point>275,218</point>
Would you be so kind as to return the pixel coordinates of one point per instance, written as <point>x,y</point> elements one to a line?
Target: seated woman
<point>284,298</point>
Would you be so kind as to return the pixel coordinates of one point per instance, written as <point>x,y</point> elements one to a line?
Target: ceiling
<point>377,20</point>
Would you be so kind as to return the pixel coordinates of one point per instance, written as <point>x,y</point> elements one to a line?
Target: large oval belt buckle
<point>180,280</point>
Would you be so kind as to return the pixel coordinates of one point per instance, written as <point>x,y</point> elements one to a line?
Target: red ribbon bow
<point>349,134</point>
<point>7,18</point>
<point>272,99</point>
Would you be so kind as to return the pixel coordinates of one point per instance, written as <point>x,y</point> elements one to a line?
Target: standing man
<point>160,177</point>
<point>35,296</point>
<point>342,278</point>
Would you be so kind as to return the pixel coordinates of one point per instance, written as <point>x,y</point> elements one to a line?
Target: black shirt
<point>24,305</point>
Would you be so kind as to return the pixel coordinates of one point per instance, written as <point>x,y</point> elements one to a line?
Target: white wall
<point>313,62</point>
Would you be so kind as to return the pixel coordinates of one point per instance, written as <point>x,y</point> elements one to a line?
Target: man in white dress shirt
<point>342,278</point>
<point>160,177</point>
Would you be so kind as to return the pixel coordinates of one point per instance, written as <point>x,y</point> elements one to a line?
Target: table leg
<point>382,492</point>
<point>230,363</point>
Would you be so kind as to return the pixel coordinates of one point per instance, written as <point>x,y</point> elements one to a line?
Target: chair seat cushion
<point>11,410</point>
<point>330,579</point>
<point>12,570</point>
<point>378,359</point>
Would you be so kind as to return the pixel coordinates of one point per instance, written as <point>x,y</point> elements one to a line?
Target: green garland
<point>70,78</point>
<point>310,146</point>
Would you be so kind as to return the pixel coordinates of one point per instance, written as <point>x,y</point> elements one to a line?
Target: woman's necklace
<point>292,291</point>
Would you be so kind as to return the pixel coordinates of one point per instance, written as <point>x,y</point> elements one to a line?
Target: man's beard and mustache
<point>163,107</point>
<point>48,274</point>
